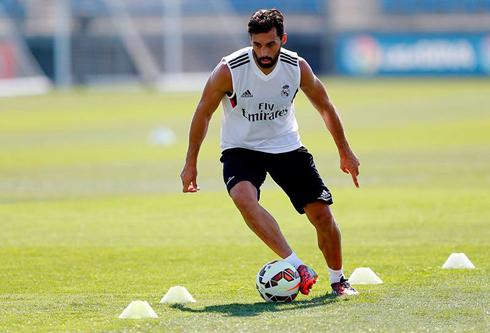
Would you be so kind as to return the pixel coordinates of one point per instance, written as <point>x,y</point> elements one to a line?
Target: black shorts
<point>295,172</point>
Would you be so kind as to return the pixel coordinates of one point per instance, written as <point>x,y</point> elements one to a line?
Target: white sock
<point>294,260</point>
<point>335,276</point>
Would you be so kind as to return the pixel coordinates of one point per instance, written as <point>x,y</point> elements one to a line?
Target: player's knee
<point>244,196</point>
<point>323,220</point>
<point>244,201</point>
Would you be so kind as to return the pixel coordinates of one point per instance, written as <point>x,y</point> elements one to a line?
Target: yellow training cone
<point>138,310</point>
<point>364,275</point>
<point>178,294</point>
<point>458,260</point>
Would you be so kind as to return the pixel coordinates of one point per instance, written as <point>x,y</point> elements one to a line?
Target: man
<point>259,135</point>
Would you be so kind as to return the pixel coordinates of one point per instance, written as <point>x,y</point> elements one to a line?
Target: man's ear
<point>284,38</point>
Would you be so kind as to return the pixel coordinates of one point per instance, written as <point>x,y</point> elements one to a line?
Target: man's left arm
<point>318,96</point>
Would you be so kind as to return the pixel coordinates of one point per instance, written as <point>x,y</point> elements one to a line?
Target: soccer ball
<point>278,281</point>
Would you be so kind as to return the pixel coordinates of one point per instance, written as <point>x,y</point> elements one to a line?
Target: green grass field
<point>92,217</point>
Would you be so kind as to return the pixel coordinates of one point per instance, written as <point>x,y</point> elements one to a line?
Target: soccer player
<point>259,134</point>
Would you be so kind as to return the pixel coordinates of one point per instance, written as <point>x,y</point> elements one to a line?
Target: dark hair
<point>264,20</point>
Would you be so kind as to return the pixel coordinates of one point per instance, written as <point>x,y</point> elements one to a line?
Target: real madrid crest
<point>285,91</point>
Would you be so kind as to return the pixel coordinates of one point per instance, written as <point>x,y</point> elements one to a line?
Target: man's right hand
<point>189,179</point>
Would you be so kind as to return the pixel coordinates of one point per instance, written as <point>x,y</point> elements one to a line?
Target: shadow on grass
<point>254,309</point>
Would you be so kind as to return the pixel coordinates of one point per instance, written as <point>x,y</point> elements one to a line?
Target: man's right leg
<point>244,195</point>
<point>244,171</point>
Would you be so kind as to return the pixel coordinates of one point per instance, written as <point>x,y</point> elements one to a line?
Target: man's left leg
<point>328,232</point>
<point>329,242</point>
<point>295,172</point>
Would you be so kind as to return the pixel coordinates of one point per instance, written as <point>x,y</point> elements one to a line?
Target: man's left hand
<point>349,163</point>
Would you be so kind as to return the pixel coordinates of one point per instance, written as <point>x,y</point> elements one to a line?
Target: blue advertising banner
<point>414,54</point>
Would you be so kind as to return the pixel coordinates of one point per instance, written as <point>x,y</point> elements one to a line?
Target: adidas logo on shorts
<point>247,94</point>
<point>325,195</point>
<point>229,180</point>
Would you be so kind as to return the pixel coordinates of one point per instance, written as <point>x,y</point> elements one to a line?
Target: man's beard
<point>270,64</point>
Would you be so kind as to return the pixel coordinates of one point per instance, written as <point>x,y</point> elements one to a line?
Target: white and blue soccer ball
<point>278,281</point>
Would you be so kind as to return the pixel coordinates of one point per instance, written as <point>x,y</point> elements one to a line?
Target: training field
<point>92,215</point>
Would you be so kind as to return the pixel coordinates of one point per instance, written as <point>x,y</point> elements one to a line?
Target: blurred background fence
<point>173,44</point>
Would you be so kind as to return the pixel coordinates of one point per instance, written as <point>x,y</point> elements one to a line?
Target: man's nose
<point>264,53</point>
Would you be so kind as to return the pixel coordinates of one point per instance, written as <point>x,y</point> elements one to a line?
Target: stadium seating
<point>190,7</point>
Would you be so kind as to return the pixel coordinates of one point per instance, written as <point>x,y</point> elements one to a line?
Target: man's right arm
<point>219,83</point>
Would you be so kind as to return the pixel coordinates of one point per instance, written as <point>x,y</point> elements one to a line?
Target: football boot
<point>343,288</point>
<point>308,279</point>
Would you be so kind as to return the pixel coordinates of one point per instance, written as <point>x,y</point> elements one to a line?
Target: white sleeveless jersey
<point>259,115</point>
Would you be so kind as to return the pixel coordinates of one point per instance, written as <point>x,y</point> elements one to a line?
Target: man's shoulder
<point>238,57</point>
<point>289,53</point>
<point>221,76</point>
<point>289,57</point>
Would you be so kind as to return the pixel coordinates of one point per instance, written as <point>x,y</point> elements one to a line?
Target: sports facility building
<point>158,41</point>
